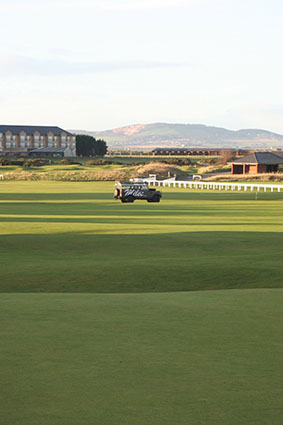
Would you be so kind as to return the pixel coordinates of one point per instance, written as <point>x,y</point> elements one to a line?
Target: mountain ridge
<point>152,135</point>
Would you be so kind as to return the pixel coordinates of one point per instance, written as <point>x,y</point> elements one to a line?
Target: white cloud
<point>11,65</point>
<point>145,4</point>
<point>101,4</point>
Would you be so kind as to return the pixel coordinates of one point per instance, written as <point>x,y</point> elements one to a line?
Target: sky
<point>102,64</point>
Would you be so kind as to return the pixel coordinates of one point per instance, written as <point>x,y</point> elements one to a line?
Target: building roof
<point>267,158</point>
<point>31,129</point>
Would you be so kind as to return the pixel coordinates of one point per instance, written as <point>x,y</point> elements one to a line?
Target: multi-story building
<point>26,140</point>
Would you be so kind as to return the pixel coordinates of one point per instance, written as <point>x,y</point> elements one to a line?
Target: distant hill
<point>148,136</point>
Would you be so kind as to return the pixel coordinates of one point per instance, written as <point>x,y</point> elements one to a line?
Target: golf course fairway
<point>140,314</point>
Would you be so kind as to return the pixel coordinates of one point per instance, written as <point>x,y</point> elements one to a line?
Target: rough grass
<point>214,169</point>
<point>161,170</point>
<point>276,177</point>
<point>89,173</point>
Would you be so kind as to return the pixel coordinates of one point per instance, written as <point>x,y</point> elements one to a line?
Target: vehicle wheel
<point>123,200</point>
<point>156,198</point>
<point>130,199</point>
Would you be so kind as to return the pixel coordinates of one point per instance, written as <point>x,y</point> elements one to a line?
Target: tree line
<point>89,146</point>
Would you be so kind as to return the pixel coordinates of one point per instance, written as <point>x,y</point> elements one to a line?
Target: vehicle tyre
<point>156,198</point>
<point>123,200</point>
<point>130,199</point>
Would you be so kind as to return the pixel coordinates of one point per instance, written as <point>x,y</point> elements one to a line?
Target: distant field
<point>129,159</point>
<point>139,314</point>
<point>118,162</point>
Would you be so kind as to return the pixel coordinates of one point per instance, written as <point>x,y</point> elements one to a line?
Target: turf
<point>73,237</point>
<point>119,314</point>
<point>205,358</point>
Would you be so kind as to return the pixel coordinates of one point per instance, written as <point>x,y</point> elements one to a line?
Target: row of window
<point>12,144</point>
<point>37,138</point>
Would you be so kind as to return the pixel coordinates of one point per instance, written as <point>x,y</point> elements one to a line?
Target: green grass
<point>73,237</point>
<point>120,314</point>
<point>205,358</point>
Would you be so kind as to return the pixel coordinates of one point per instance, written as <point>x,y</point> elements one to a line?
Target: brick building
<point>257,162</point>
<point>21,140</point>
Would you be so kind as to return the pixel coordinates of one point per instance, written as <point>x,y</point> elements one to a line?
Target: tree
<point>225,156</point>
<point>89,146</point>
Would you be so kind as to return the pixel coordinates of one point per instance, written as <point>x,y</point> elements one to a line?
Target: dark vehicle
<point>130,191</point>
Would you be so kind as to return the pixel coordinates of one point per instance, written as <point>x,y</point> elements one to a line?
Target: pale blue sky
<point>93,64</point>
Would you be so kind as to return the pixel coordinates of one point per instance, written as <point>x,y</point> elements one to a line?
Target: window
<point>8,137</point>
<point>22,137</point>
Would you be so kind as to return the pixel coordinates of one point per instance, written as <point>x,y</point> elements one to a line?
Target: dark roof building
<point>185,151</point>
<point>257,162</point>
<point>31,129</point>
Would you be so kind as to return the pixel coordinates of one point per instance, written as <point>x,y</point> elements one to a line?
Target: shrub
<point>18,162</point>
<point>4,161</point>
<point>36,162</point>
<point>100,162</point>
<point>177,161</point>
<point>68,161</point>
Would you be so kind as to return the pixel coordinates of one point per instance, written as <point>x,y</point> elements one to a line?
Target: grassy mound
<point>161,170</point>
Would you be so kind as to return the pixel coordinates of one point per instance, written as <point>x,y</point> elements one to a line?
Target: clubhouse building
<point>36,141</point>
<point>257,162</point>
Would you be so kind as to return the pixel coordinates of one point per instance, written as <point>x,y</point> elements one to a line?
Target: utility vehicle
<point>130,191</point>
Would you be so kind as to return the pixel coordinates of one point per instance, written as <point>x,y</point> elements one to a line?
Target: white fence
<point>217,185</point>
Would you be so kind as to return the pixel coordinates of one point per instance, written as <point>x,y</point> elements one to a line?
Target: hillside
<point>185,135</point>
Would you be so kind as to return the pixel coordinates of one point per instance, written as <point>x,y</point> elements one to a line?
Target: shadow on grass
<point>185,261</point>
<point>175,195</point>
<point>163,219</point>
